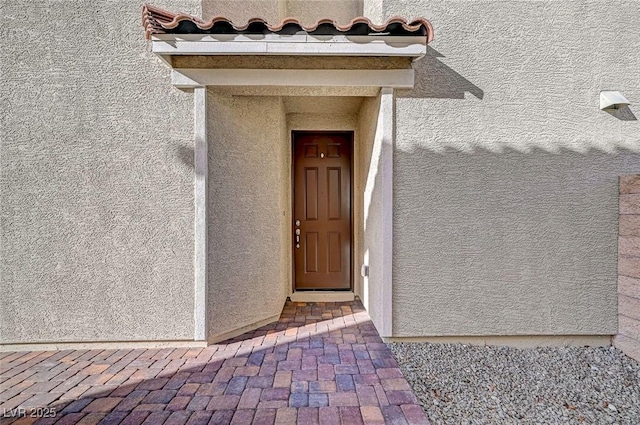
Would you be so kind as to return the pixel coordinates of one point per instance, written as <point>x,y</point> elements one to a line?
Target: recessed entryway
<point>322,210</point>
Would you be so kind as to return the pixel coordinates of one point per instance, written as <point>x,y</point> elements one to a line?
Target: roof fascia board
<point>298,44</point>
<point>200,77</point>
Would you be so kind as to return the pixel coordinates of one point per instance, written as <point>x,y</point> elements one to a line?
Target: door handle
<point>297,234</point>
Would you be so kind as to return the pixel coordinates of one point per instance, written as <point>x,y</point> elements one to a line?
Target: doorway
<point>322,210</point>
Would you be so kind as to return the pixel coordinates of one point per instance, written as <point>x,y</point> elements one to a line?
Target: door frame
<point>351,136</point>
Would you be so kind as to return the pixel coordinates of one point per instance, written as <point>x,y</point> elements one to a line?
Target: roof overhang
<point>176,34</point>
<point>288,45</point>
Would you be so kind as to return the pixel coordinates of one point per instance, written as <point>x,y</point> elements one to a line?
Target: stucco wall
<point>249,218</point>
<point>309,11</point>
<point>505,170</point>
<point>96,180</point>
<point>505,199</point>
<point>241,11</point>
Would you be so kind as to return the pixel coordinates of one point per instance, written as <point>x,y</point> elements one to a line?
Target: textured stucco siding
<point>309,11</point>
<point>505,173</point>
<point>96,183</point>
<point>320,122</point>
<point>249,219</point>
<point>505,170</point>
<point>242,10</point>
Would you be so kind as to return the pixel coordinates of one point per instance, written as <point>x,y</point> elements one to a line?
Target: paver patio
<point>321,363</point>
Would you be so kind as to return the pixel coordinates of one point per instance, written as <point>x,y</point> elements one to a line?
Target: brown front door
<point>322,209</point>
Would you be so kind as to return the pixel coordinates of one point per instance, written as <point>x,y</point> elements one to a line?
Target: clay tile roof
<point>159,21</point>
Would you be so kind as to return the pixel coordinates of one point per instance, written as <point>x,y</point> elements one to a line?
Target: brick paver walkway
<point>321,363</point>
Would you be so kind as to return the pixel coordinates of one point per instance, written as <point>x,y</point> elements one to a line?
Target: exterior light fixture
<point>612,100</point>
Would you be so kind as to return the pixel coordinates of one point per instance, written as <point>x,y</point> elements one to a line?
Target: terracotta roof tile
<point>159,21</point>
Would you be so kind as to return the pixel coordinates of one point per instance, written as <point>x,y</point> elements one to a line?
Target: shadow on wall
<point>186,155</point>
<point>505,243</point>
<point>468,223</point>
<point>434,79</point>
<point>623,114</point>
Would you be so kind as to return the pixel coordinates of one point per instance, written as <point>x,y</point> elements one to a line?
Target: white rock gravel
<point>463,384</point>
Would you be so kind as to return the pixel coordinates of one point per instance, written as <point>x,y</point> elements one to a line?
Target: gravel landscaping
<point>462,384</point>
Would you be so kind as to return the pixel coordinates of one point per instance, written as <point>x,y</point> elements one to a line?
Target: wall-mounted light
<point>612,100</point>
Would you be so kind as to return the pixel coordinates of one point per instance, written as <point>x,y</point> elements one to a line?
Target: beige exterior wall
<point>250,269</point>
<point>241,11</point>
<point>505,173</point>
<point>628,338</point>
<point>249,213</point>
<point>505,170</point>
<point>96,180</point>
<point>309,11</point>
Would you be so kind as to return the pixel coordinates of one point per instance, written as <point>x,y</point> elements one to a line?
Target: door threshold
<point>321,296</point>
